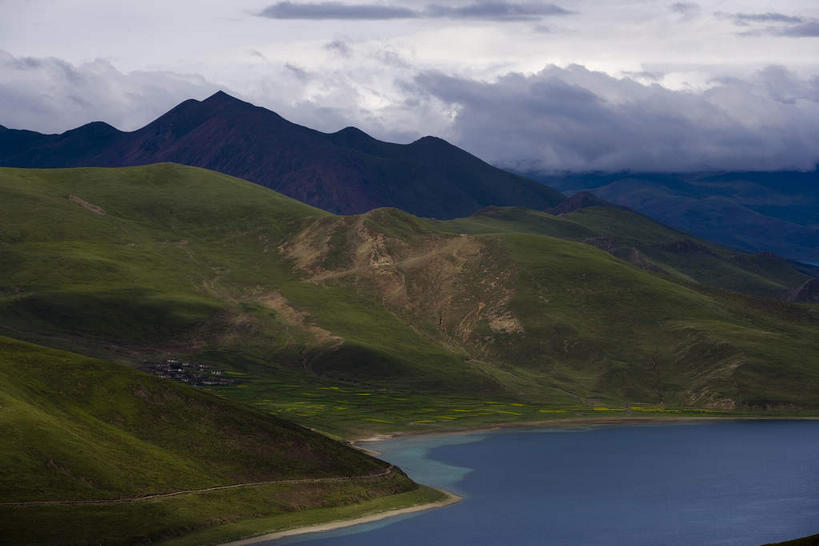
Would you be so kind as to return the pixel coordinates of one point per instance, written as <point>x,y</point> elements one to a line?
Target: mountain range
<point>774,211</point>
<point>347,172</point>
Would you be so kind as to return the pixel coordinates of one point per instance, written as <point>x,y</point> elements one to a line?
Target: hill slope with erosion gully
<point>383,321</point>
<point>558,313</point>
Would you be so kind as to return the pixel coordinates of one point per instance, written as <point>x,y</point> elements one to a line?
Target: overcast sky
<point>570,84</point>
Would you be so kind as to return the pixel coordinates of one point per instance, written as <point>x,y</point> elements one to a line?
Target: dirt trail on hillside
<point>155,496</point>
<point>290,315</point>
<point>96,209</point>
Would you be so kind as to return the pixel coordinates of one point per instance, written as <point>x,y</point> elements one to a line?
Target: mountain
<point>346,172</point>
<point>385,321</point>
<point>85,439</point>
<point>774,212</point>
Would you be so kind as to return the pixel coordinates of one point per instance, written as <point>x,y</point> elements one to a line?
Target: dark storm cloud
<point>339,47</point>
<point>686,8</point>
<point>493,11</point>
<point>769,17</point>
<point>496,11</point>
<point>804,30</point>
<point>577,119</point>
<point>336,10</point>
<point>774,24</point>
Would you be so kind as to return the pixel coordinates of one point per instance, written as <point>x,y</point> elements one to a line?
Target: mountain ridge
<point>773,211</point>
<point>346,172</point>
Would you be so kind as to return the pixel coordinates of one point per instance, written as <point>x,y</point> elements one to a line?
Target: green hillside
<point>81,429</point>
<point>384,321</point>
<point>185,260</point>
<point>646,244</point>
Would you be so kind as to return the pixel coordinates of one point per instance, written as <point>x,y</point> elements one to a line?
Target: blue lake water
<point>727,483</point>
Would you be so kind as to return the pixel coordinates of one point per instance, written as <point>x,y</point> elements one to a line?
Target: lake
<point>727,483</point>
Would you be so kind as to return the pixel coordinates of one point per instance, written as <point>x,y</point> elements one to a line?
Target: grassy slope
<point>554,320</point>
<point>77,428</point>
<point>186,260</point>
<point>625,230</point>
<point>382,321</point>
<point>644,338</point>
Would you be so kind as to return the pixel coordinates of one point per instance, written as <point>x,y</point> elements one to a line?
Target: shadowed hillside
<point>345,172</point>
<point>754,211</point>
<point>87,440</point>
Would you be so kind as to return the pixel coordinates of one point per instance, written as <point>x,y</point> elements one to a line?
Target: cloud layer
<point>775,24</point>
<point>48,94</point>
<point>493,11</point>
<point>666,85</point>
<point>577,119</point>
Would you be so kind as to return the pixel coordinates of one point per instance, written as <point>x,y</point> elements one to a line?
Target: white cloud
<point>51,95</point>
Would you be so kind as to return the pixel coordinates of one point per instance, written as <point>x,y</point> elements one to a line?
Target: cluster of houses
<point>192,373</point>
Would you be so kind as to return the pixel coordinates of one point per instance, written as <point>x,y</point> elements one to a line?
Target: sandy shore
<point>340,524</point>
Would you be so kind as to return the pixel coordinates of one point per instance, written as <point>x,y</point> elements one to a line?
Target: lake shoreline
<point>563,422</point>
<point>451,498</point>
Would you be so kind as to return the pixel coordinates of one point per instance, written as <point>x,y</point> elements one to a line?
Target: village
<point>191,373</point>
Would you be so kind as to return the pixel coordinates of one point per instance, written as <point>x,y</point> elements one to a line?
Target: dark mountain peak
<point>351,135</point>
<point>215,105</point>
<point>222,98</point>
<point>95,128</point>
<point>578,201</point>
<point>430,141</point>
<point>352,132</point>
<point>355,138</point>
<point>220,112</point>
<point>3,128</point>
<point>346,172</point>
<point>220,95</point>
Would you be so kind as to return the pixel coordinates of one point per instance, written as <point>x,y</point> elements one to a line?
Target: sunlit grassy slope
<point>77,428</point>
<point>425,317</point>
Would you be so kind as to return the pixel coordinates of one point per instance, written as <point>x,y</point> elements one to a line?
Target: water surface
<point>727,483</point>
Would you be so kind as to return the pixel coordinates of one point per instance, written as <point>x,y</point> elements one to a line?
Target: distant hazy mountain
<point>345,172</point>
<point>755,211</point>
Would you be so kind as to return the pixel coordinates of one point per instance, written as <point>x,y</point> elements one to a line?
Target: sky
<point>576,85</point>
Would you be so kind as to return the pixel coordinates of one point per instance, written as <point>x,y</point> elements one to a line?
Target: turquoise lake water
<point>726,483</point>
